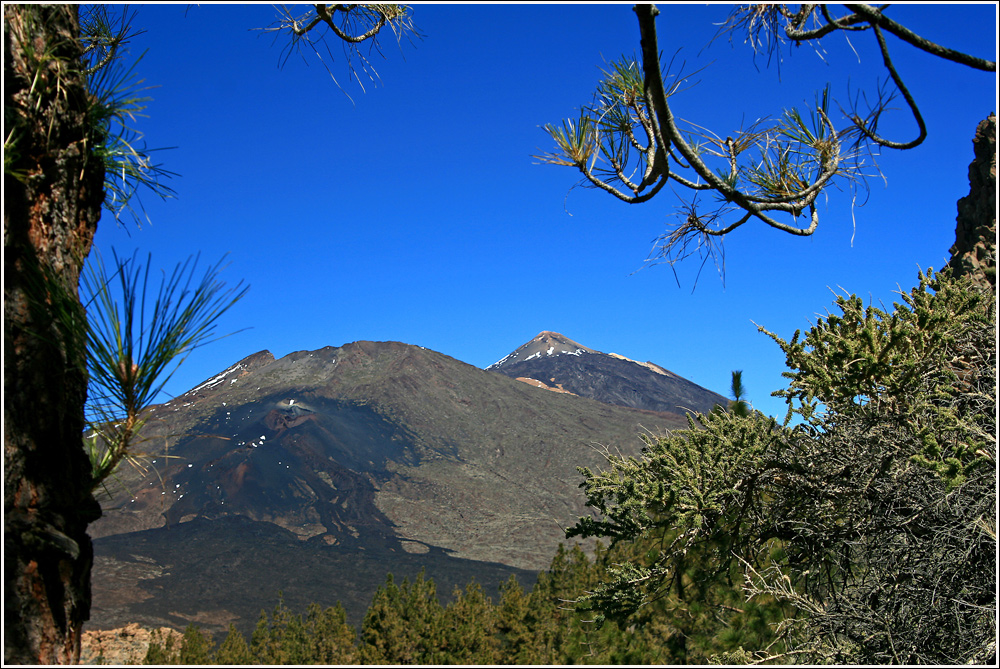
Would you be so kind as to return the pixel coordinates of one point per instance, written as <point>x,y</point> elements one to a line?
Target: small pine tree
<point>332,640</point>
<point>515,640</point>
<point>282,640</point>
<point>260,641</point>
<point>470,625</point>
<point>196,646</point>
<point>233,649</point>
<point>288,637</point>
<point>739,406</point>
<point>403,624</point>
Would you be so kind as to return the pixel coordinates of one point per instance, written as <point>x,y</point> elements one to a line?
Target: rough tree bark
<point>53,196</point>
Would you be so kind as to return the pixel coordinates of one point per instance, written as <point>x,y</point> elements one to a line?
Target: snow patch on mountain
<point>211,383</point>
<point>652,366</point>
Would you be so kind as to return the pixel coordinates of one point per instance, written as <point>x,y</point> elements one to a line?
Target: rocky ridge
<point>974,251</point>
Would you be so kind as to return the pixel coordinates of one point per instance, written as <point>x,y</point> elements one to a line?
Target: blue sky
<point>416,213</point>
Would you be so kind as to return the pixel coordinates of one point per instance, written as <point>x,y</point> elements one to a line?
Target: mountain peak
<point>555,362</point>
<point>545,343</point>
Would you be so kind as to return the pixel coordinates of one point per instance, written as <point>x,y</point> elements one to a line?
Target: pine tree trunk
<point>52,202</point>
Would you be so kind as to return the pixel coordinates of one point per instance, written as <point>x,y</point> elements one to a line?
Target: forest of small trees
<point>407,624</point>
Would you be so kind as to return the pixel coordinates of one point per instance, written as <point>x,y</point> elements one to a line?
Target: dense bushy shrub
<point>870,512</point>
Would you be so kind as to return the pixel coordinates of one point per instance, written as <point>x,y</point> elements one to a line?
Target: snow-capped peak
<point>546,343</point>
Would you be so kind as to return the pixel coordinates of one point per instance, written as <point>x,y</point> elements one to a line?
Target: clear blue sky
<point>417,214</point>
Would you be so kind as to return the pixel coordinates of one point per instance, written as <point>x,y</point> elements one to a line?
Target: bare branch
<point>324,13</point>
<point>876,18</point>
<point>351,24</point>
<point>795,32</point>
<point>887,61</point>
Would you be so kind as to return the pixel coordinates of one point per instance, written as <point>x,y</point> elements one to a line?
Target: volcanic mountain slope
<point>317,473</point>
<point>558,363</point>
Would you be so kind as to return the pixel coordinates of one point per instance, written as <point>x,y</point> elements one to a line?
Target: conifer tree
<point>196,647</point>
<point>562,633</point>
<point>739,404</point>
<point>332,640</point>
<point>403,624</point>
<point>233,649</point>
<point>260,640</point>
<point>470,628</point>
<point>514,628</point>
<point>286,639</point>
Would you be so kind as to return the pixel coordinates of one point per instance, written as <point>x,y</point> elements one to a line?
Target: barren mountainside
<point>317,473</point>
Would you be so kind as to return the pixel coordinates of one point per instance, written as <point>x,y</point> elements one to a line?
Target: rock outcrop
<point>974,252</point>
<point>126,645</point>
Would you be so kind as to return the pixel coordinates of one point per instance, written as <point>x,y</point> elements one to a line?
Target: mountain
<point>317,473</point>
<point>558,363</point>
